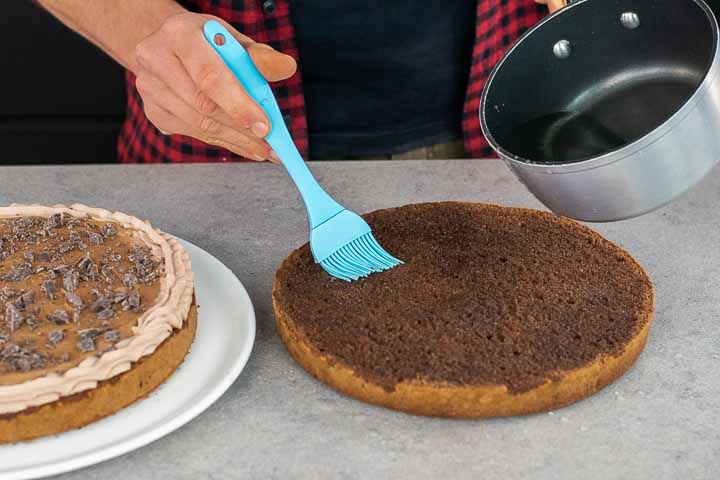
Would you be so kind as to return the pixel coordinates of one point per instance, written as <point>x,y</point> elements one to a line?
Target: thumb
<point>272,64</point>
<point>555,5</point>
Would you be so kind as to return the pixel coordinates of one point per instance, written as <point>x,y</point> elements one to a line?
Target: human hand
<point>188,90</point>
<point>553,5</point>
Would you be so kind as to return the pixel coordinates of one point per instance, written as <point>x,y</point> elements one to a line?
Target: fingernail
<point>259,158</point>
<point>259,129</point>
<point>274,158</point>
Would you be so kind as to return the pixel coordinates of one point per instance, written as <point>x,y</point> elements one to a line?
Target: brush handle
<point>320,206</point>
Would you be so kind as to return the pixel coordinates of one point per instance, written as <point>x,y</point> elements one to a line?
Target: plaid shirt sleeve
<point>499,24</point>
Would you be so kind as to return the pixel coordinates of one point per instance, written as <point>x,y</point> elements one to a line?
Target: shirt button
<point>268,7</point>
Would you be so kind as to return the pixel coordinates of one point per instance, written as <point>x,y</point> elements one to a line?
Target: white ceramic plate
<point>224,340</point>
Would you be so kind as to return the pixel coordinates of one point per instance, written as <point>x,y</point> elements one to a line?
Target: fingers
<point>166,121</point>
<point>213,79</point>
<point>171,115</point>
<point>213,123</point>
<point>274,66</point>
<point>553,5</point>
<point>187,88</point>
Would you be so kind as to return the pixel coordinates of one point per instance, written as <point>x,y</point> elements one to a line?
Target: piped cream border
<point>153,327</point>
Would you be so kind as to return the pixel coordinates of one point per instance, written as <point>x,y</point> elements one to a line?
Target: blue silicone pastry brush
<point>340,240</point>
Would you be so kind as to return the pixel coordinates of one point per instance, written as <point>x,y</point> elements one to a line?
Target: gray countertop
<point>659,421</point>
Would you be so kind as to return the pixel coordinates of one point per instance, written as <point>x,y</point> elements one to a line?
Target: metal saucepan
<point>609,109</point>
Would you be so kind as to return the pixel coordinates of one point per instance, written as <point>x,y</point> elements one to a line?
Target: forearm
<point>116,26</point>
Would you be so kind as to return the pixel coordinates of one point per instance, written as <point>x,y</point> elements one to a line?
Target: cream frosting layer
<point>169,311</point>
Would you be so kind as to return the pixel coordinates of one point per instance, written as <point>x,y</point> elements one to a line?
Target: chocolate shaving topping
<point>21,364</point>
<point>138,256</point>
<point>71,280</point>
<point>65,247</point>
<point>56,270</point>
<point>31,321</point>
<point>48,286</point>
<point>129,280</point>
<point>13,317</point>
<point>119,297</point>
<point>108,230</point>
<point>21,359</point>
<point>21,224</point>
<point>28,297</point>
<point>88,269</point>
<point>107,273</point>
<point>75,300</point>
<point>84,263</point>
<point>54,221</point>
<point>6,293</point>
<point>112,336</point>
<point>105,314</point>
<point>19,272</point>
<point>95,238</point>
<point>18,303</point>
<point>91,273</point>
<point>10,349</point>
<point>86,345</point>
<point>61,269</point>
<point>59,317</point>
<point>100,304</point>
<point>89,333</point>
<point>56,336</point>
<point>132,302</point>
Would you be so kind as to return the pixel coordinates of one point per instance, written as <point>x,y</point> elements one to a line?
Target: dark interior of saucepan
<point>616,86</point>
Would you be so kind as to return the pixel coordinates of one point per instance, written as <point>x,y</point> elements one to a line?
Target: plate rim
<point>136,442</point>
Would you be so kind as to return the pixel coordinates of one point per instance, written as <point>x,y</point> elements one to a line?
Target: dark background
<point>63,100</point>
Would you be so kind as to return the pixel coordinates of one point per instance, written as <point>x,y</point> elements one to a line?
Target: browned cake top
<point>487,295</point>
<point>69,288</point>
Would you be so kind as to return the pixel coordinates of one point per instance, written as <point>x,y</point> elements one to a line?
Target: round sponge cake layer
<point>496,311</point>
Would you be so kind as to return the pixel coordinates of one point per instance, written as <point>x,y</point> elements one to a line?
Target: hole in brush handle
<point>219,39</point>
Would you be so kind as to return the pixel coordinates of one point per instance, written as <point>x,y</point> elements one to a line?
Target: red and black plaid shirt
<point>499,23</point>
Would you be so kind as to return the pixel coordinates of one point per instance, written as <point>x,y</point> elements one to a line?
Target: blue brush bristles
<point>358,259</point>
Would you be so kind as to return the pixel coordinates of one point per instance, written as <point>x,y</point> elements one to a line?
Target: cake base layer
<point>109,397</point>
